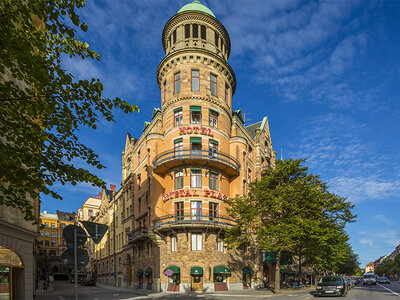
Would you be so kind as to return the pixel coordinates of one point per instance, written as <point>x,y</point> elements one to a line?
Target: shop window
<point>195,80</point>
<point>173,243</point>
<point>178,116</point>
<point>197,241</point>
<point>187,31</point>
<point>179,179</point>
<point>178,147</point>
<point>220,244</point>
<point>213,211</point>
<point>196,210</point>
<point>213,84</point>
<point>177,83</point>
<point>179,211</point>
<point>213,181</point>
<point>203,32</point>
<point>195,178</point>
<point>195,145</point>
<point>195,31</point>
<point>195,114</point>
<point>213,148</point>
<point>213,120</point>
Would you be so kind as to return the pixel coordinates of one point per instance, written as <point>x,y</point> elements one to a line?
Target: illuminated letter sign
<point>195,129</point>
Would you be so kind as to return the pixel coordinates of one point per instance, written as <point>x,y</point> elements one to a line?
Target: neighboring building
<point>169,216</point>
<point>370,267</point>
<point>89,208</point>
<point>17,246</point>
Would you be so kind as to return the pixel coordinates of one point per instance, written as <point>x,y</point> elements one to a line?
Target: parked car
<point>383,280</point>
<point>350,282</point>
<point>331,285</point>
<point>369,278</point>
<point>88,281</point>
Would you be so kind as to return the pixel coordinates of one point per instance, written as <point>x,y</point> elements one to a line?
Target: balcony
<point>176,221</point>
<point>137,234</point>
<point>189,157</point>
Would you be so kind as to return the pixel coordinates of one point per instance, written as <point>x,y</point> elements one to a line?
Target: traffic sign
<point>68,258</point>
<point>95,230</point>
<point>168,272</point>
<point>68,234</point>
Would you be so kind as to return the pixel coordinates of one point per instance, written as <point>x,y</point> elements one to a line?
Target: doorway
<point>197,283</point>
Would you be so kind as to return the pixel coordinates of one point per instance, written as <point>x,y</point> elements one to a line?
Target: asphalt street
<point>65,291</point>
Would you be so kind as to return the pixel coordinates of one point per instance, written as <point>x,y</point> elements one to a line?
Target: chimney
<point>112,187</point>
<point>100,194</point>
<point>45,212</point>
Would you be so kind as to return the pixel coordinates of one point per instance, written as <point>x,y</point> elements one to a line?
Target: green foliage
<point>291,210</point>
<point>42,106</point>
<point>389,267</point>
<point>349,265</point>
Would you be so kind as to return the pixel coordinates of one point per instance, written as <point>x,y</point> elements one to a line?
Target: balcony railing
<point>137,233</point>
<point>191,157</point>
<point>182,220</point>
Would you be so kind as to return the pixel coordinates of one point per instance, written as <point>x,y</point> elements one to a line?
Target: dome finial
<point>196,6</point>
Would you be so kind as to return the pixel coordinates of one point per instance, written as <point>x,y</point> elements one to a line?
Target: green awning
<point>247,271</point>
<point>214,111</point>
<point>221,270</point>
<point>139,272</point>
<point>174,269</point>
<point>196,271</point>
<point>195,108</point>
<point>178,140</point>
<point>269,258</point>
<point>178,109</point>
<point>195,139</point>
<point>148,272</point>
<point>214,142</point>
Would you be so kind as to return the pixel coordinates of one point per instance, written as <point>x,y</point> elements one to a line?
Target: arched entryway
<point>148,274</point>
<point>246,277</point>
<point>10,265</point>
<point>139,274</point>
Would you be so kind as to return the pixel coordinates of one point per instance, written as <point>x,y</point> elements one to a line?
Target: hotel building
<point>195,152</point>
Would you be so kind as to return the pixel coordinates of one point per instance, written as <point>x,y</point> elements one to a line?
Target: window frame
<point>177,83</point>
<point>193,78</point>
<point>215,83</point>
<point>197,241</point>
<point>196,178</point>
<point>213,181</point>
<point>213,118</point>
<point>178,178</point>
<point>178,116</point>
<point>194,112</point>
<point>179,210</point>
<point>213,210</point>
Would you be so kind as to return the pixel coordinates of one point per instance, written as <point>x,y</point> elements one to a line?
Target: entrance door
<point>197,283</point>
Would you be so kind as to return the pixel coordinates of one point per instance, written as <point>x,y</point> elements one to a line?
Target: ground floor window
<point>175,278</point>
<point>220,278</point>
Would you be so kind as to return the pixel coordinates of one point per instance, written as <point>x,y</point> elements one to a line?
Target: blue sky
<point>325,73</point>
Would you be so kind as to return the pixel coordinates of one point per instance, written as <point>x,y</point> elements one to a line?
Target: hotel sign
<point>194,193</point>
<point>196,130</point>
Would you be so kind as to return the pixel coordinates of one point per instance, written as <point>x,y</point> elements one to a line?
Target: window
<point>53,243</point>
<point>53,234</point>
<point>195,210</point>
<point>220,244</point>
<point>213,148</point>
<point>47,243</point>
<point>250,152</point>
<point>213,84</point>
<point>178,147</point>
<point>138,157</point>
<point>46,224</point>
<point>226,94</point>
<point>165,90</point>
<point>40,242</point>
<point>197,240</point>
<point>177,83</point>
<point>178,116</point>
<point>179,211</point>
<point>195,178</point>
<point>213,181</point>
<point>266,149</point>
<point>213,121</point>
<point>90,213</point>
<point>46,233</point>
<point>213,211</point>
<point>174,36</point>
<point>195,31</point>
<point>179,179</point>
<point>244,160</point>
<point>195,114</point>
<point>195,145</point>
<point>116,221</point>
<point>53,225</point>
<point>216,39</point>
<point>139,180</point>
<point>187,31</point>
<point>63,225</point>
<point>249,175</point>
<point>139,203</point>
<point>195,80</point>
<point>173,243</point>
<point>203,32</point>
<point>244,187</point>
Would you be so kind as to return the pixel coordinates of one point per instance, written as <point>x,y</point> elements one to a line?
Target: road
<point>65,291</point>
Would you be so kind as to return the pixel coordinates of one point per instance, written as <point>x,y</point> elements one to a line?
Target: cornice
<point>206,57</point>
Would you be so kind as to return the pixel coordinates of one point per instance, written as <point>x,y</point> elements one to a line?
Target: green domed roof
<point>196,5</point>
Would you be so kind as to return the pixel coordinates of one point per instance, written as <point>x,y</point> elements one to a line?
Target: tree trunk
<point>300,267</point>
<point>277,288</point>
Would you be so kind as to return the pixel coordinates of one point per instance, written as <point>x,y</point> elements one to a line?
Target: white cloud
<point>367,241</point>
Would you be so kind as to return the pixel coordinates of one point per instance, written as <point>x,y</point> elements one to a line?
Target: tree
<point>289,210</point>
<point>42,106</point>
<point>350,263</point>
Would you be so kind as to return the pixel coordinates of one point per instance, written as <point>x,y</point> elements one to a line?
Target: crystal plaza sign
<point>194,193</point>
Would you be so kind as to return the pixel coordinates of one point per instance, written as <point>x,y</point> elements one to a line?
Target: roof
<point>67,216</point>
<point>197,6</point>
<point>252,129</point>
<point>48,216</point>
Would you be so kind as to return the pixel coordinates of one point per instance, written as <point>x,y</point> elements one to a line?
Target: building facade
<point>170,216</point>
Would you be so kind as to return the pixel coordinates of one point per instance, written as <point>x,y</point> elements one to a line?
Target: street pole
<point>76,263</point>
